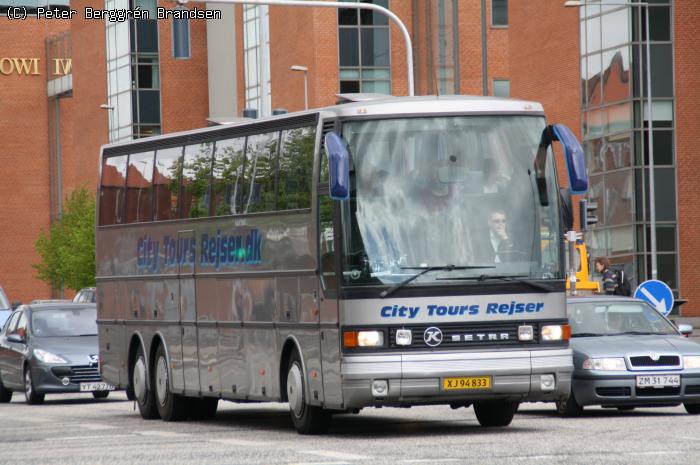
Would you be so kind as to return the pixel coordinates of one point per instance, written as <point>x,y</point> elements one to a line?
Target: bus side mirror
<point>575,160</point>
<point>339,166</point>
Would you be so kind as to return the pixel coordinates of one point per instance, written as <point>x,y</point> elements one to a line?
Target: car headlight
<point>556,333</point>
<point>691,361</point>
<point>605,364</point>
<point>363,338</point>
<point>48,357</point>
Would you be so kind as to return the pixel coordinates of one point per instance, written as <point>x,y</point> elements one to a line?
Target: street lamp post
<point>182,29</point>
<point>306,82</point>
<point>652,187</point>
<point>110,109</point>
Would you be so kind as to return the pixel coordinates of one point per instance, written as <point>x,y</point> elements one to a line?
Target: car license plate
<point>473,382</point>
<point>658,381</point>
<point>90,387</point>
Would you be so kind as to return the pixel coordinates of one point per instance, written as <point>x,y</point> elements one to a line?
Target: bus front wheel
<point>495,412</point>
<point>143,392</point>
<point>308,419</point>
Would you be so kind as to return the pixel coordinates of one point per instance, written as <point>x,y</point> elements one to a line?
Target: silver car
<point>50,348</point>
<point>628,355</point>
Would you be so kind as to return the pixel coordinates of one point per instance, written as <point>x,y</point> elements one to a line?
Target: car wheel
<point>307,419</point>
<point>202,409</point>
<point>692,409</point>
<point>5,394</point>
<point>30,393</point>
<point>494,413</point>
<point>100,394</point>
<point>140,379</point>
<point>171,407</point>
<point>569,407</point>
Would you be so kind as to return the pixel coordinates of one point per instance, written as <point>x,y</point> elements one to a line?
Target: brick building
<point>582,64</point>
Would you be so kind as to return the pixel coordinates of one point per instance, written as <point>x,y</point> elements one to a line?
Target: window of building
<point>295,169</point>
<point>227,185</point>
<point>119,79</point>
<point>501,88</point>
<point>256,57</point>
<point>166,182</point>
<point>196,173</point>
<point>112,191</point>
<point>260,171</point>
<point>139,188</point>
<point>364,50</point>
<point>499,12</point>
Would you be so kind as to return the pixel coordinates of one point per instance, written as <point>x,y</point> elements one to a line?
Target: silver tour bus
<point>390,252</point>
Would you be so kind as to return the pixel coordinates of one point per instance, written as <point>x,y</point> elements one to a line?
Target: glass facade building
<point>615,129</point>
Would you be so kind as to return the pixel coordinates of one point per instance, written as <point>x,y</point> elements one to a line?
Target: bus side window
<point>326,238</point>
<point>139,188</point>
<point>166,182</point>
<point>112,191</point>
<point>295,168</point>
<point>261,165</point>
<point>196,171</point>
<point>227,177</point>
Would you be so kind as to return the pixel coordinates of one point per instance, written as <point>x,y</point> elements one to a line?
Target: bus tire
<point>5,394</point>
<point>143,391</point>
<point>202,409</point>
<point>171,407</point>
<point>307,419</point>
<point>495,413</point>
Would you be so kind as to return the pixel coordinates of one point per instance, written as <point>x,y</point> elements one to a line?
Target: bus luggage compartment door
<point>188,318</point>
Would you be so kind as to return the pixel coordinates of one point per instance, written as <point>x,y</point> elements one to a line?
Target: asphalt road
<point>76,430</point>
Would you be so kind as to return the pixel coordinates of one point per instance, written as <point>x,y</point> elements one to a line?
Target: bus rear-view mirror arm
<point>575,161</point>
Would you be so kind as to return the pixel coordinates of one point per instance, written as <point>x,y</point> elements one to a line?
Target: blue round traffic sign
<point>657,293</point>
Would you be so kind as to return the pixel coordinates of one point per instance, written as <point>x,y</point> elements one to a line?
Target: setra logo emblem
<point>432,336</point>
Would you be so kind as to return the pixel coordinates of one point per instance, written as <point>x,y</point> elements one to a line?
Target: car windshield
<point>615,318</point>
<point>64,322</point>
<point>455,194</point>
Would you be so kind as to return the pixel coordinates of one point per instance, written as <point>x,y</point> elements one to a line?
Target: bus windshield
<point>447,191</point>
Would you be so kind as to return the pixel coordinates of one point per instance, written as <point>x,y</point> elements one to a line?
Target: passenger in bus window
<point>494,181</point>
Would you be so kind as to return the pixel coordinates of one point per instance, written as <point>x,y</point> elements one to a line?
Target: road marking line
<point>80,438</point>
<point>95,426</point>
<point>163,434</point>
<point>331,454</point>
<point>240,442</point>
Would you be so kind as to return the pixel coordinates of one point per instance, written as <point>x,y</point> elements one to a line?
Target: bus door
<point>328,301</point>
<point>188,314</point>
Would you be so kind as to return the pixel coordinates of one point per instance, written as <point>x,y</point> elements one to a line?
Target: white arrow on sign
<point>660,305</point>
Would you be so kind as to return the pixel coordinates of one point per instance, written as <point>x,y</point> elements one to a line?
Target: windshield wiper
<point>424,270</point>
<point>518,278</point>
<point>633,333</point>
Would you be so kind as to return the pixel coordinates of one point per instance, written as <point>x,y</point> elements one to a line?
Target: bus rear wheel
<point>171,407</point>
<point>495,412</point>
<point>307,419</point>
<point>140,379</point>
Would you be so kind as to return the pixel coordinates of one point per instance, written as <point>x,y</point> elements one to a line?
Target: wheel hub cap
<point>295,390</point>
<point>161,380</point>
<point>140,379</point>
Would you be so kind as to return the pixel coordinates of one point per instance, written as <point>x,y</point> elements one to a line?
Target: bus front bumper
<point>417,379</point>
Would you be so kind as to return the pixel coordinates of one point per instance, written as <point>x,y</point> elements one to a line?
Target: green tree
<point>68,250</point>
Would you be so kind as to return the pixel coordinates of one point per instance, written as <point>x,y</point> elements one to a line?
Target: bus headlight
<point>363,339</point>
<point>403,337</point>
<point>605,364</point>
<point>691,361</point>
<point>556,333</point>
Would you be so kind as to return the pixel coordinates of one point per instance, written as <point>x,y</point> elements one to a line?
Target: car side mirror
<point>685,330</point>
<point>16,338</point>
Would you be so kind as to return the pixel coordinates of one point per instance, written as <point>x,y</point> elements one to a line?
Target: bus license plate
<point>474,382</point>
<point>658,381</point>
<point>90,387</point>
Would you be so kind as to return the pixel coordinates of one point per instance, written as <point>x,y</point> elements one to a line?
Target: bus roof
<point>379,106</point>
